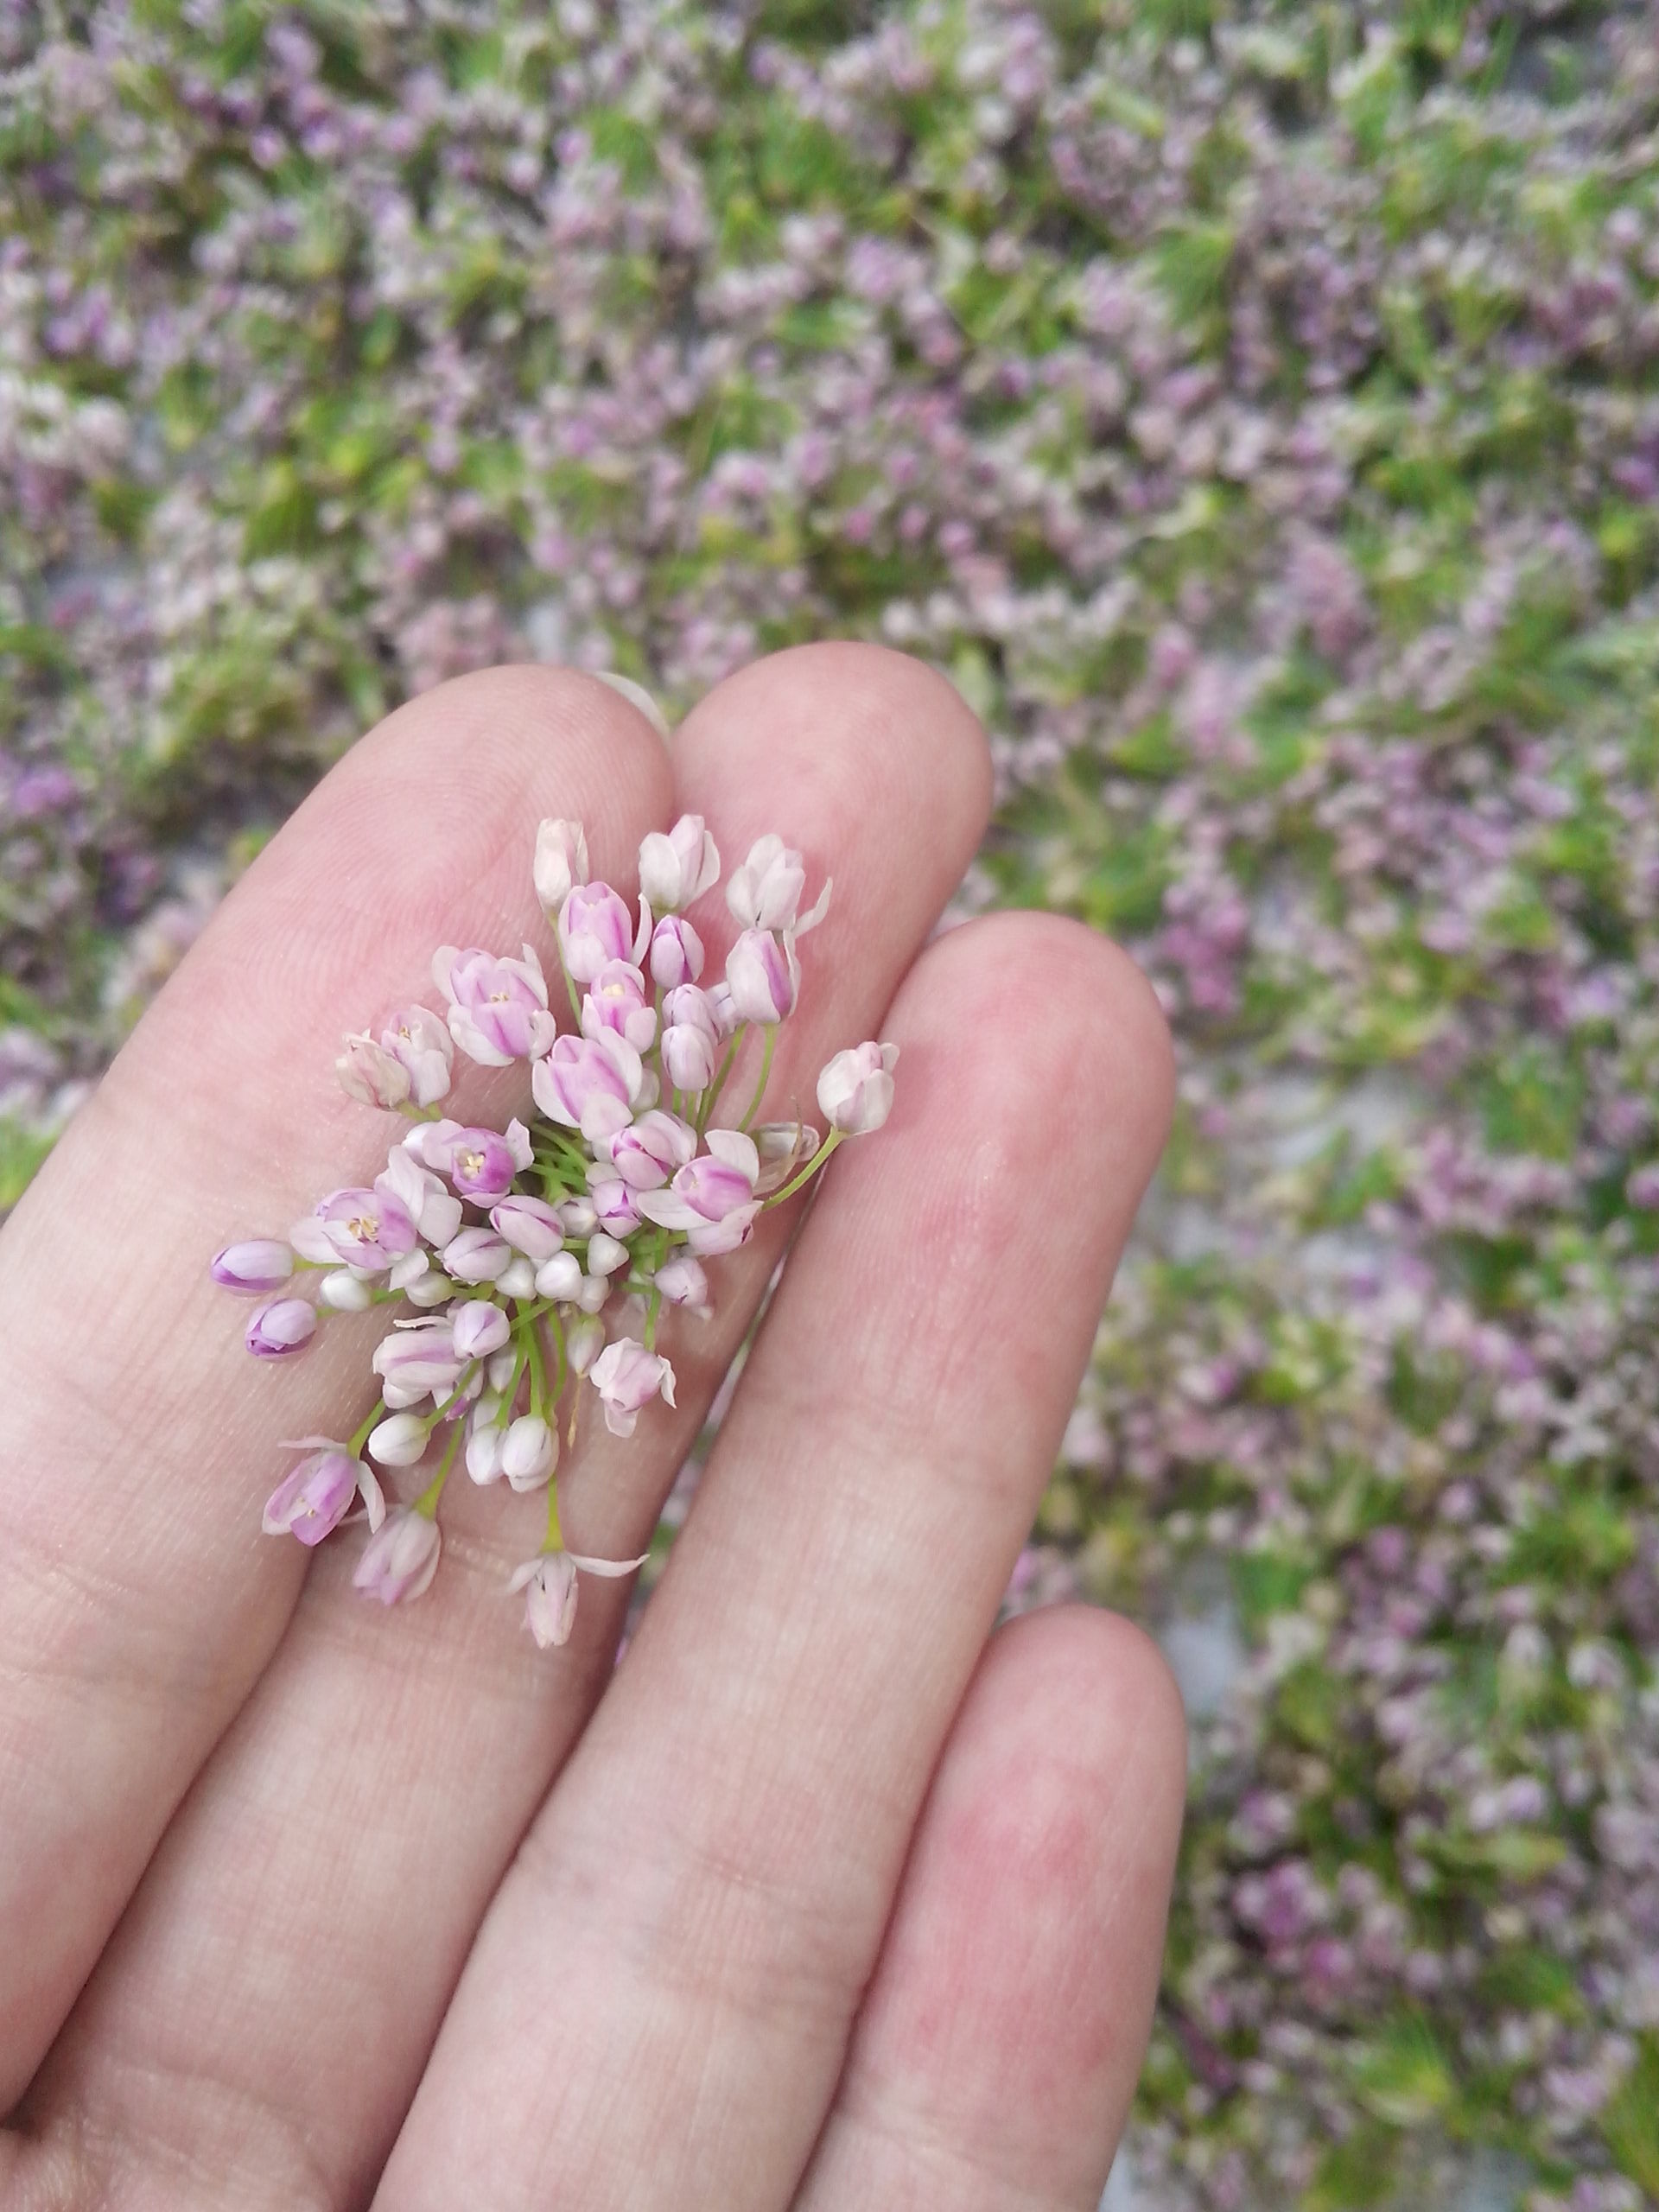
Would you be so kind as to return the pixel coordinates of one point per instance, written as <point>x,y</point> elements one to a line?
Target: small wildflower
<point>676,866</point>
<point>285,1325</point>
<point>401,1557</point>
<point>504,1247</point>
<point>254,1267</point>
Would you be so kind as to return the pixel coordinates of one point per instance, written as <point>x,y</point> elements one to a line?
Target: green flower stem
<point>537,1368</point>
<point>360,1436</point>
<point>766,1051</point>
<point>426,1502</point>
<point>554,1539</point>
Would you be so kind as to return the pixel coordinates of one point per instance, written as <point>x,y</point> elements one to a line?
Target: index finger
<point>140,1603</point>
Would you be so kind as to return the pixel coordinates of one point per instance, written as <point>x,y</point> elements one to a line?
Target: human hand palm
<point>831,1906</point>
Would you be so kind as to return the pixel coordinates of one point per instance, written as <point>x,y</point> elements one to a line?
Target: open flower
<point>627,1377</point>
<point>617,1000</point>
<point>648,1151</point>
<point>712,1197</point>
<point>359,1228</point>
<point>419,1040</point>
<point>314,1499</point>
<point>370,1074</point>
<point>497,1007</point>
<point>480,1163</point>
<point>550,1584</point>
<point>590,1083</point>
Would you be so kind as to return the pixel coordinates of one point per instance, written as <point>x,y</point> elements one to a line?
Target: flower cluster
<point>540,1258</point>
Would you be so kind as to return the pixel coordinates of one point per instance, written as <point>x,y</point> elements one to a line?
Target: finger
<point>392,1814</point>
<point>707,1887</point>
<point>999,2042</point>
<point>139,1601</point>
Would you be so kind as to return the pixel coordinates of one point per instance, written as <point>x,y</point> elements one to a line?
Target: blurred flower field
<point>1255,410</point>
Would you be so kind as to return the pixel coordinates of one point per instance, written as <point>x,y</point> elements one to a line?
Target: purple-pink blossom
<point>401,1558</point>
<point>254,1267</point>
<point>283,1326</point>
<point>678,865</point>
<point>617,999</point>
<point>594,929</point>
<point>627,1377</point>
<point>589,1084</point>
<point>764,977</point>
<point>313,1498</point>
<point>855,1089</point>
<point>497,1007</point>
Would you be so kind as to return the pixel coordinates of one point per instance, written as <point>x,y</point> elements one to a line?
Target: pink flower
<point>723,1013</point>
<point>417,1357</point>
<point>434,1211</point>
<point>420,1042</point>
<point>550,1584</point>
<point>764,976</point>
<point>584,1339</point>
<point>561,862</point>
<point>594,930</point>
<point>783,1147</point>
<point>683,1282</point>
<point>480,1163</point>
<point>677,866</point>
<point>400,1441</point>
<point>315,1497</point>
<point>627,1377</point>
<point>401,1557</point>
<point>615,1213</point>
<point>690,1057</point>
<point>478,1328</point>
<point>676,953</point>
<point>856,1090</point>
<point>370,1074</point>
<point>477,1256</point>
<point>498,1007</point>
<point>646,1154</point>
<point>712,1197</point>
<point>590,1083</point>
<point>616,999</point>
<point>559,1278</point>
<point>364,1228</point>
<point>285,1326</point>
<point>530,1452</point>
<point>530,1226</point>
<point>605,1253</point>
<point>484,1440</point>
<point>255,1268</point>
<point>765,894</point>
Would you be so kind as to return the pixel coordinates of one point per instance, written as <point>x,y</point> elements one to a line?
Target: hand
<point>818,1901</point>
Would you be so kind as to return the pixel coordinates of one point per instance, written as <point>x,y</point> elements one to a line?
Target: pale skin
<point>829,1898</point>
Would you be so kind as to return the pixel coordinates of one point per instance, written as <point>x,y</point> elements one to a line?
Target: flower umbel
<point>528,1266</point>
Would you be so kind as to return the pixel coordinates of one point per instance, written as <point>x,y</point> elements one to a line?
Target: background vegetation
<point>1255,409</point>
